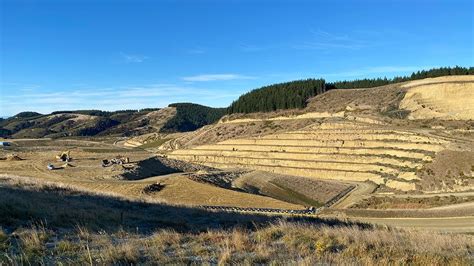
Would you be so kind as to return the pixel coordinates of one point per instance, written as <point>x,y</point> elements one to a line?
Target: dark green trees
<point>190,116</point>
<point>370,83</point>
<point>295,94</point>
<point>278,96</point>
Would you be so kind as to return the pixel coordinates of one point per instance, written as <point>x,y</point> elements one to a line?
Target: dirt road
<point>362,190</point>
<point>448,224</point>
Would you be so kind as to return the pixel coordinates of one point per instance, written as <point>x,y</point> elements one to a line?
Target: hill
<point>386,135</point>
<point>251,188</point>
<point>295,94</point>
<point>63,227</point>
<point>190,116</point>
<point>175,118</point>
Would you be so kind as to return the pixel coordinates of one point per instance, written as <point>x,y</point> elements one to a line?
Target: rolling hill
<point>175,118</point>
<point>387,135</point>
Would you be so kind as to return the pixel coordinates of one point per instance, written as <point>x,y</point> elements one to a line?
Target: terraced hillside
<point>339,150</point>
<point>453,99</point>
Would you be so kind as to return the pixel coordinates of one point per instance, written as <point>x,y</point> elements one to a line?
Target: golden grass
<point>280,243</point>
<point>165,234</point>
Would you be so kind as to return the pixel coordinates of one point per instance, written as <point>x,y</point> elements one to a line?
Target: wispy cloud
<point>216,77</point>
<point>110,98</point>
<point>133,58</point>
<point>323,40</point>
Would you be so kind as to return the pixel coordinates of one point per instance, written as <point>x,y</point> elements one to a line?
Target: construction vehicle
<point>118,160</point>
<point>64,156</point>
<point>65,165</point>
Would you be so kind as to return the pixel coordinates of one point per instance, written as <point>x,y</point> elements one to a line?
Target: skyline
<point>141,54</point>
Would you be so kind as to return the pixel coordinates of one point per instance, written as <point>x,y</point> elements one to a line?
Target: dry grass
<point>280,243</point>
<point>90,175</point>
<point>410,203</point>
<point>74,227</point>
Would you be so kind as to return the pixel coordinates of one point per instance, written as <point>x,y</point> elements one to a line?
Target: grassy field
<point>71,226</point>
<point>88,173</point>
<point>410,203</point>
<point>179,189</point>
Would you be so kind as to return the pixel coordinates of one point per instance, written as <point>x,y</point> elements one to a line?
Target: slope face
<point>447,98</point>
<point>345,151</point>
<point>348,135</point>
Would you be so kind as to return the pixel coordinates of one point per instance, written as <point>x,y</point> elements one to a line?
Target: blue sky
<point>110,55</point>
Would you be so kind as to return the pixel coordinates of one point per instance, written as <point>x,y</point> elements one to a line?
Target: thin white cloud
<point>116,98</point>
<point>133,58</point>
<point>216,77</point>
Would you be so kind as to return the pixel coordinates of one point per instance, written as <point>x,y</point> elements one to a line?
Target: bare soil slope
<point>351,135</point>
<point>447,98</point>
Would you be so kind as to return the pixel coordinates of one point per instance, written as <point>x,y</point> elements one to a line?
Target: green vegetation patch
<point>288,95</point>
<point>190,116</point>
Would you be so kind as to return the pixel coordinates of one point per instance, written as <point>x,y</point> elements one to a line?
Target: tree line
<point>190,116</point>
<point>295,94</point>
<point>370,83</point>
<point>286,95</point>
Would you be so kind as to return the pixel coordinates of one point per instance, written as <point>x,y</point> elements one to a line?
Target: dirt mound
<point>221,179</point>
<point>13,157</point>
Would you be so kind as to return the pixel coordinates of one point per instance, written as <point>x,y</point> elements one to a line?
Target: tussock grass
<point>279,242</point>
<point>73,227</point>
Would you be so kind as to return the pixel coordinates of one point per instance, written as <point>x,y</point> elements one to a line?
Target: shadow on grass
<point>58,207</point>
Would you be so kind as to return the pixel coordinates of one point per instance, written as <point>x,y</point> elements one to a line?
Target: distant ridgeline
<point>59,123</point>
<point>104,123</point>
<point>295,94</point>
<point>189,116</point>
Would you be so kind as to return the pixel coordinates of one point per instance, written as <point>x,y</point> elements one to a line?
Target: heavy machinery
<point>118,160</point>
<point>64,156</point>
<point>52,167</point>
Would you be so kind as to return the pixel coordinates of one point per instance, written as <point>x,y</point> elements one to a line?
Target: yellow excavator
<point>64,156</point>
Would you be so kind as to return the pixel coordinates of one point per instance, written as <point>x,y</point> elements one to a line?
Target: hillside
<point>295,94</point>
<point>311,183</point>
<point>175,118</point>
<point>351,135</point>
<point>63,227</point>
